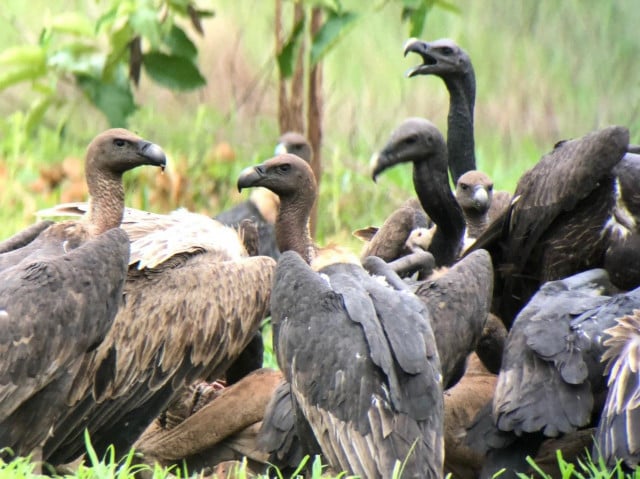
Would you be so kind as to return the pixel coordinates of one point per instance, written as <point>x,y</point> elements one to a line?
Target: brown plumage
<point>24,237</point>
<point>211,426</point>
<point>559,222</point>
<point>618,437</point>
<point>461,404</point>
<point>193,301</point>
<point>108,156</point>
<point>53,311</point>
<point>60,293</point>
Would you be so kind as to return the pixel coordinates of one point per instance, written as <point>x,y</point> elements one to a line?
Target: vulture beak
<point>481,198</point>
<point>422,48</point>
<point>281,149</point>
<point>251,176</point>
<point>381,161</point>
<point>153,153</point>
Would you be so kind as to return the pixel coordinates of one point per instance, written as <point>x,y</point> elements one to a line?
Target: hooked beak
<point>420,47</point>
<point>281,149</point>
<point>250,177</point>
<point>380,161</point>
<point>481,198</point>
<point>153,153</point>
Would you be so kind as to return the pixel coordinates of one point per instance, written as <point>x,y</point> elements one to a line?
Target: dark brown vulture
<point>359,356</point>
<point>445,59</point>
<point>560,221</point>
<point>59,294</point>
<point>551,381</point>
<point>262,206</point>
<point>53,311</point>
<point>193,301</point>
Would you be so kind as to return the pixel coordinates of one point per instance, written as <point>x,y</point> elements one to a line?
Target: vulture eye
<point>446,50</point>
<point>119,142</point>
<point>490,187</point>
<point>410,140</point>
<point>464,186</point>
<point>284,168</point>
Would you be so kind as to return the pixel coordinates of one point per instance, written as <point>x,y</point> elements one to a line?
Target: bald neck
<point>106,201</point>
<point>292,227</point>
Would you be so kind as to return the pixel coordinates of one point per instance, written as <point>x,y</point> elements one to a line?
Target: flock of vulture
<point>475,329</point>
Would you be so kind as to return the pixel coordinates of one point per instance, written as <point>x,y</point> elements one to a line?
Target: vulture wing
<point>53,311</point>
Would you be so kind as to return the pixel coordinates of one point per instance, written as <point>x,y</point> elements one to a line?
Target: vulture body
<point>551,381</point>
<point>617,436</point>
<point>459,299</point>
<point>61,286</point>
<point>53,311</point>
<point>193,301</point>
<point>556,228</point>
<point>262,206</point>
<point>24,237</point>
<point>365,411</point>
<point>362,364</point>
<point>445,59</point>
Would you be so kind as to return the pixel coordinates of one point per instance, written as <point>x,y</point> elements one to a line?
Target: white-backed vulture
<point>368,378</point>
<point>108,156</point>
<point>60,288</point>
<point>262,205</point>
<point>193,301</point>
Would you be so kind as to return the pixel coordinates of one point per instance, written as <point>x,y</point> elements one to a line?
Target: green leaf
<point>448,6</point>
<point>106,18</point>
<point>115,101</point>
<point>26,56</point>
<point>172,71</point>
<point>416,18</point>
<point>288,55</point>
<point>330,33</point>
<point>37,111</point>
<point>120,40</point>
<point>72,23</point>
<point>180,44</point>
<point>18,75</point>
<point>144,21</point>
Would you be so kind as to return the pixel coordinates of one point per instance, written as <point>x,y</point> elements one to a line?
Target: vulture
<point>262,206</point>
<point>60,289</point>
<point>561,219</point>
<point>193,300</point>
<point>459,300</point>
<point>551,381</point>
<point>359,356</point>
<point>445,59</point>
<point>108,156</point>
<point>419,141</point>
<point>474,193</point>
<point>617,436</point>
<point>54,310</point>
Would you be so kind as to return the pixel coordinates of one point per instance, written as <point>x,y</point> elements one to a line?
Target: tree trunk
<point>314,116</point>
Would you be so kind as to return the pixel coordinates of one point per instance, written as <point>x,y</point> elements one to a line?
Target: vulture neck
<point>460,142</point>
<point>106,201</point>
<point>292,227</point>
<point>432,188</point>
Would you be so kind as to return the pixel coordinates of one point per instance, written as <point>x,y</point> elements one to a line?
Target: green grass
<point>546,70</point>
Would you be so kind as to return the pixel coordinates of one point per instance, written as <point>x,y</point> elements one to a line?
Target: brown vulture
<point>193,300</point>
<point>59,294</point>
<point>359,356</point>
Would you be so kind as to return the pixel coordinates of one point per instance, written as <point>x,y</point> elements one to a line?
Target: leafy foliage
<point>71,48</point>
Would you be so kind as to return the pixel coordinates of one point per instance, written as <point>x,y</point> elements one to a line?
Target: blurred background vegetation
<point>546,70</point>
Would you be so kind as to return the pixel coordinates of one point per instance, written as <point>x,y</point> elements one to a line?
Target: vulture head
<point>416,140</point>
<point>474,191</point>
<point>440,57</point>
<point>296,144</point>
<point>287,175</point>
<point>118,150</point>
